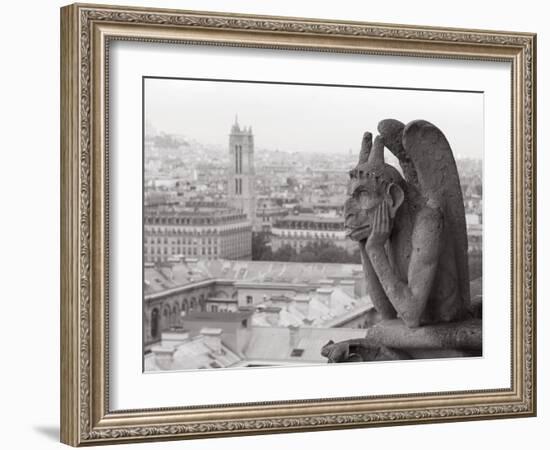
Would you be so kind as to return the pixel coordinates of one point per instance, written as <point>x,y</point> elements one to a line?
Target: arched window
<point>165,319</point>
<point>174,319</point>
<point>202,303</point>
<point>154,323</point>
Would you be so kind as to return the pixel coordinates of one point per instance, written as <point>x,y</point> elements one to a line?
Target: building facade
<point>163,310</point>
<point>209,233</point>
<point>267,214</point>
<point>241,182</point>
<point>299,230</point>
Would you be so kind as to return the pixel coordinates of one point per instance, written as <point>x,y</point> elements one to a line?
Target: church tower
<point>241,189</point>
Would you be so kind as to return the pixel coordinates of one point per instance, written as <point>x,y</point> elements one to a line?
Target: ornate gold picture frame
<point>87,32</point>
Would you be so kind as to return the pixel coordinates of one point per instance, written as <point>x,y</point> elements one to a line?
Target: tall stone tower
<point>241,189</point>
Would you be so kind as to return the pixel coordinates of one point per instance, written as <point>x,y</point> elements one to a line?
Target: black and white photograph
<point>294,224</point>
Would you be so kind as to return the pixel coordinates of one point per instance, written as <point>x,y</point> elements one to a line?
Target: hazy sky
<point>307,118</point>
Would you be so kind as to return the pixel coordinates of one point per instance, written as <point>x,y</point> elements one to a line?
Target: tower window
<point>240,159</point>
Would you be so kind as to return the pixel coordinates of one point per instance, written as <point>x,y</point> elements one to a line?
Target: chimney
<point>325,295</point>
<point>174,337</point>
<point>213,339</point>
<point>164,356</point>
<point>302,303</point>
<point>272,314</point>
<point>348,287</point>
<point>294,336</point>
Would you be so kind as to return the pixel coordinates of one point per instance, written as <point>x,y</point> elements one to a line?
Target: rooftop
<point>218,316</point>
<point>275,343</point>
<point>193,212</point>
<point>270,346</point>
<point>164,277</point>
<point>195,353</point>
<point>311,218</point>
<point>311,309</point>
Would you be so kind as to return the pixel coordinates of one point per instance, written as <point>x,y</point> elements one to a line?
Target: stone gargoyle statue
<point>411,232</point>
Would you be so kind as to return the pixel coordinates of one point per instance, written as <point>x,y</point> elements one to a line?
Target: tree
<point>317,251</point>
<point>285,253</point>
<point>261,250</point>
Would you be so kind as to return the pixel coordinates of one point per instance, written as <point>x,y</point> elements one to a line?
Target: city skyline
<point>246,258</point>
<point>306,118</point>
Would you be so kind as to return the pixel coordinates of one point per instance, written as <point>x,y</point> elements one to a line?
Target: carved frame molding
<point>86,31</point>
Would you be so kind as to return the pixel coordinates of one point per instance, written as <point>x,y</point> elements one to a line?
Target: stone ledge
<point>465,335</point>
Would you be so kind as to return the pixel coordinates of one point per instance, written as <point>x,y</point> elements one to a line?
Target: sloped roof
<point>195,354</point>
<point>276,271</point>
<point>274,343</point>
<point>319,313</point>
<point>164,277</point>
<point>219,316</point>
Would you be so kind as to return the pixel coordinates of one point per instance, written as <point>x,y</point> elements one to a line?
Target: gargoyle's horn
<point>376,157</point>
<point>366,145</point>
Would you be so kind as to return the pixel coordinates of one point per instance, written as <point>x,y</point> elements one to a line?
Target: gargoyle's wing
<point>439,183</point>
<point>391,131</point>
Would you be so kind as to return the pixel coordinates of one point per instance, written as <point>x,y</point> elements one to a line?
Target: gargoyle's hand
<point>336,352</point>
<point>381,227</point>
